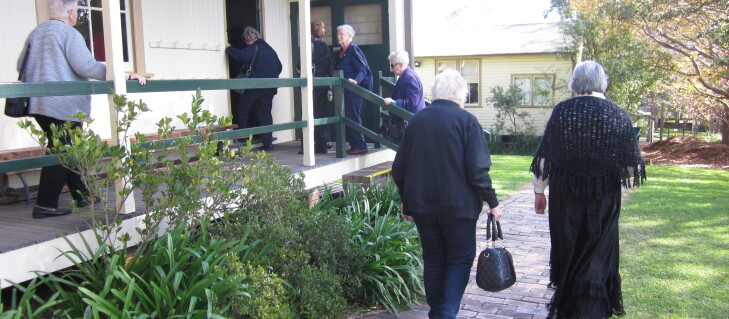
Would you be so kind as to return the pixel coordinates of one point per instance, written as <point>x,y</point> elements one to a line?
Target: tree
<point>652,45</point>
<point>696,33</point>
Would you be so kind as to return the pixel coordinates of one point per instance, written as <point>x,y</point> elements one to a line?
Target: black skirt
<point>584,258</point>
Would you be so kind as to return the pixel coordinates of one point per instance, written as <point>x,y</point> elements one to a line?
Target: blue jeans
<point>449,247</point>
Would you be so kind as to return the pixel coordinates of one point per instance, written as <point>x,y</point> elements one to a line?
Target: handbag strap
<point>493,229</point>
<point>21,74</point>
<point>255,54</point>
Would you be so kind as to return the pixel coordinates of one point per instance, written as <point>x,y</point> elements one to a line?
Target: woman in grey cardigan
<point>58,52</point>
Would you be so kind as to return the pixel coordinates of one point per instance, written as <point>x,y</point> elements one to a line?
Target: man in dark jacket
<point>265,64</point>
<point>442,173</point>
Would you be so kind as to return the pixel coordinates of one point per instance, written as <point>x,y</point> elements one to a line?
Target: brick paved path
<point>527,238</point>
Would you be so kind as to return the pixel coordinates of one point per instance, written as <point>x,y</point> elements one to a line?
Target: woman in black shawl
<point>587,152</point>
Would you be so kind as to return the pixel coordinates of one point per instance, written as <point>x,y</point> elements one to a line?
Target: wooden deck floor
<point>20,232</point>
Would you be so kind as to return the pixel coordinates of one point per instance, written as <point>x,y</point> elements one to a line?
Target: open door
<point>240,14</point>
<point>369,19</point>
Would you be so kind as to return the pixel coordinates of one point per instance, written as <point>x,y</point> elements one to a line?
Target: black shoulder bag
<point>246,71</point>
<point>495,269</point>
<point>18,106</point>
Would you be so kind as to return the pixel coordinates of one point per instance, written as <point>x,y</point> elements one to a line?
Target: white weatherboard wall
<point>183,39</point>
<point>497,70</point>
<point>18,20</point>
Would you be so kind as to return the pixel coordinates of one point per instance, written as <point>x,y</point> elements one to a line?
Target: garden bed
<point>687,151</point>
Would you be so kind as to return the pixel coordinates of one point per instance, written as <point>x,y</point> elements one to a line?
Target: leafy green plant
<point>267,295</point>
<point>509,119</point>
<point>182,274</point>
<point>389,254</point>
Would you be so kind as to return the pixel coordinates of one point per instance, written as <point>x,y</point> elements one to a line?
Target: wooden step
<point>377,174</point>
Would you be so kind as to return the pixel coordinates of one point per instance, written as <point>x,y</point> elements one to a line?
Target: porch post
<point>307,103</point>
<point>115,72</point>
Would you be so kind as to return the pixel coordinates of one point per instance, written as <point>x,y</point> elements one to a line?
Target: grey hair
<point>588,76</point>
<point>251,34</point>
<point>400,56</point>
<point>347,29</point>
<point>58,9</point>
<point>450,85</point>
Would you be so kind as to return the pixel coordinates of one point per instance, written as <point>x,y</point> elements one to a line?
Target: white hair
<point>251,34</point>
<point>58,9</point>
<point>347,29</point>
<point>400,56</point>
<point>588,76</point>
<point>450,85</point>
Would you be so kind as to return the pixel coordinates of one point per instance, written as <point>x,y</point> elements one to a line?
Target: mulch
<point>687,151</point>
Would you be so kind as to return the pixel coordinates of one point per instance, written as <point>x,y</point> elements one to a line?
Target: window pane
<point>83,25</point>
<point>97,38</point>
<point>472,96</point>
<point>543,90</point>
<point>469,70</point>
<point>97,3</point>
<point>525,84</point>
<point>444,65</point>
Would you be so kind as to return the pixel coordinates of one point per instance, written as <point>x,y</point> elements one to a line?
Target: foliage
<point>674,243</point>
<point>673,49</point>
<point>267,296</point>
<point>522,144</point>
<point>182,274</point>
<point>392,256</point>
<point>509,119</point>
<point>305,243</point>
<point>198,185</point>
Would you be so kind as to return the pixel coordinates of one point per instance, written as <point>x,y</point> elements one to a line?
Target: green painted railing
<point>105,87</point>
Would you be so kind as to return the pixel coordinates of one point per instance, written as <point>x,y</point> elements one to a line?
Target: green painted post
<point>339,111</point>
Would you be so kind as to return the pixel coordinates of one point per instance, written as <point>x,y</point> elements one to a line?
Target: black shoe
<point>39,213</point>
<point>329,145</point>
<point>84,203</point>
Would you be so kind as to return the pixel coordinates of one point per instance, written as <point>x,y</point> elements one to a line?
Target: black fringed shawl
<point>588,146</point>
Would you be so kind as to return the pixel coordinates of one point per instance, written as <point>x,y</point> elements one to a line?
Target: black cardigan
<point>442,164</point>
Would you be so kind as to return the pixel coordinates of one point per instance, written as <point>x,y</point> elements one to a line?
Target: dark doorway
<point>240,14</point>
<point>375,50</point>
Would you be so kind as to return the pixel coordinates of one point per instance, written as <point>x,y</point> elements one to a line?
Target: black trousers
<point>53,177</point>
<point>321,132</point>
<point>262,101</point>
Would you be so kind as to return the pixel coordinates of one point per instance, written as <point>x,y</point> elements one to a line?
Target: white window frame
<point>531,95</point>
<point>457,63</point>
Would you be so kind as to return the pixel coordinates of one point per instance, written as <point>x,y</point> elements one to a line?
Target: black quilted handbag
<point>495,269</point>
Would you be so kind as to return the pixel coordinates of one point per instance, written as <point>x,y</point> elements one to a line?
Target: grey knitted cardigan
<point>589,148</point>
<point>58,52</point>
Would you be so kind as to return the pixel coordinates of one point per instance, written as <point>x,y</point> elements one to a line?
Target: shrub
<point>266,297</point>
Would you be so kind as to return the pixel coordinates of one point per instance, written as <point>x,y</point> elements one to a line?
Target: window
<point>470,70</point>
<point>538,89</point>
<point>91,25</point>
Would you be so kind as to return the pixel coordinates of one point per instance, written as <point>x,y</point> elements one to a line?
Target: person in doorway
<point>58,52</point>
<point>321,67</point>
<point>587,152</point>
<point>442,174</point>
<point>408,92</point>
<point>265,64</point>
<point>353,62</point>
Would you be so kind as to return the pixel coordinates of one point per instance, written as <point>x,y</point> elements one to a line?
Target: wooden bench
<point>5,190</point>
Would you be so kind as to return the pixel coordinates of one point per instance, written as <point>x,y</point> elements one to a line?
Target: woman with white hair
<point>441,170</point>
<point>58,52</point>
<point>408,92</point>
<point>352,61</point>
<point>587,152</point>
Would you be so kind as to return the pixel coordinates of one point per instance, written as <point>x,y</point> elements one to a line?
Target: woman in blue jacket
<point>353,62</point>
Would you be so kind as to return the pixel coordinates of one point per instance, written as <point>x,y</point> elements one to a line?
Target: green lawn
<point>675,245</point>
<point>510,173</point>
